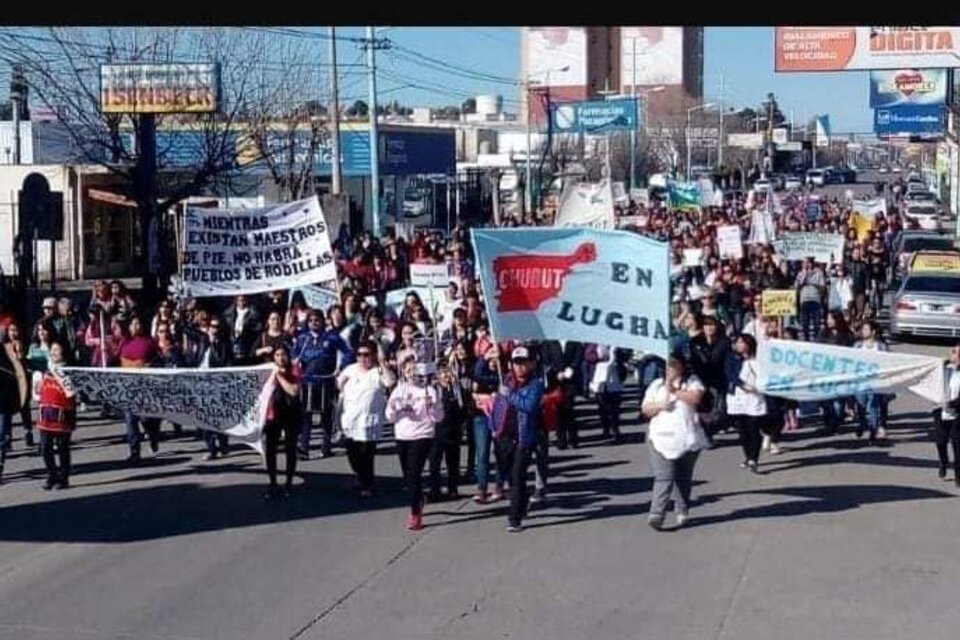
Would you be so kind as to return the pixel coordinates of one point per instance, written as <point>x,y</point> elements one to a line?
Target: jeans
<point>671,477</point>
<point>810,313</point>
<point>217,443</point>
<point>318,397</point>
<point>361,456</point>
<point>483,437</point>
<point>869,411</point>
<point>49,441</point>
<point>517,459</point>
<point>272,430</point>
<point>150,425</point>
<point>750,438</point>
<point>542,454</point>
<point>609,404</point>
<point>413,454</point>
<point>947,432</point>
<point>833,414</point>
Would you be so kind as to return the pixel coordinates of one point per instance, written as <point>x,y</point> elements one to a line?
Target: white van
<point>816,177</point>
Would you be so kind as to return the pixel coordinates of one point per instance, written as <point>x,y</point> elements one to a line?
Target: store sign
<point>160,88</point>
<point>801,49</point>
<point>745,140</point>
<point>595,116</point>
<point>909,120</point>
<point>908,87</point>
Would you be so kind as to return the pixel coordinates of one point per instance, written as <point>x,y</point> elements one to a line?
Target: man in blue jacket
<point>315,352</point>
<point>516,423</point>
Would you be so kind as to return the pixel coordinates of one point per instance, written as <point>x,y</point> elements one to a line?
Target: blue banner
<point>907,87</point>
<point>595,116</point>
<point>588,285</point>
<point>909,120</point>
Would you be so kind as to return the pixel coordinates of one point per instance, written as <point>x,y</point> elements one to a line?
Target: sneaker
<point>745,464</point>
<point>539,496</point>
<point>752,466</point>
<point>209,457</point>
<point>655,520</point>
<point>942,472</point>
<point>766,443</point>
<point>775,449</point>
<point>49,484</point>
<point>481,497</point>
<point>414,522</point>
<point>881,432</point>
<point>682,518</point>
<point>496,495</point>
<point>514,528</point>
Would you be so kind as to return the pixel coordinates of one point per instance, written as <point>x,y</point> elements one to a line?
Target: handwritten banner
<point>423,275</point>
<point>232,400</point>
<point>778,302</point>
<point>826,248</point>
<point>588,285</point>
<point>812,371</point>
<point>229,252</point>
<point>729,242</point>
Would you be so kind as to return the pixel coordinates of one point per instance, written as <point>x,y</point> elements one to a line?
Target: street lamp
<point>706,105</point>
<point>527,191</point>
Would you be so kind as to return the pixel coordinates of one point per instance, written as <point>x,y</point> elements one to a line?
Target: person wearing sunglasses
<point>363,389</point>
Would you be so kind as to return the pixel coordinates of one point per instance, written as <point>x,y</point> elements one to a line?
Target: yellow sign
<point>946,262</point>
<point>863,226</point>
<point>778,302</point>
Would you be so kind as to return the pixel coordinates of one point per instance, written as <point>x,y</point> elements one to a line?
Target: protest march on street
<point>743,319</point>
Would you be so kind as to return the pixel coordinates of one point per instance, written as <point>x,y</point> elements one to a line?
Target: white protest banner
<point>316,297</point>
<point>728,242</point>
<point>870,208</point>
<point>692,257</point>
<point>826,248</point>
<point>813,371</point>
<point>762,230</point>
<point>229,252</point>
<point>639,221</point>
<point>586,204</point>
<point>231,400</point>
<point>706,192</point>
<point>640,196</point>
<point>423,275</point>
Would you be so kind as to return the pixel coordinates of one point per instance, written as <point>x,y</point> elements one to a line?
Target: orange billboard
<point>803,49</point>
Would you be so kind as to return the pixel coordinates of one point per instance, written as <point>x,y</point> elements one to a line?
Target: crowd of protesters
<point>431,373</point>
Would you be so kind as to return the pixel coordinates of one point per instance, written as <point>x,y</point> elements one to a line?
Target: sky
<point>743,55</point>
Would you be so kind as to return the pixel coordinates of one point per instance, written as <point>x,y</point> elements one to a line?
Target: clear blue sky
<point>744,55</point>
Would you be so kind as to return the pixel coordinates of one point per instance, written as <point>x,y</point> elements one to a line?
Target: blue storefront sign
<point>908,87</point>
<point>595,116</point>
<point>909,120</point>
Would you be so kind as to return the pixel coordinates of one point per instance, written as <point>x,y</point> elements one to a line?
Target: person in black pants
<point>947,423</point>
<point>283,418</point>
<point>446,438</point>
<point>570,376</point>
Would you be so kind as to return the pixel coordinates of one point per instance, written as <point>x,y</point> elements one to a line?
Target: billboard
<point>908,120</point>
<point>823,131</point>
<point>907,86</point>
<point>745,140</point>
<point>657,52</point>
<point>798,49</point>
<point>595,116</point>
<point>159,88</point>
<point>550,49</point>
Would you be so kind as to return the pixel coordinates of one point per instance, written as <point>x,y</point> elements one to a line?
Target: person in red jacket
<point>56,420</point>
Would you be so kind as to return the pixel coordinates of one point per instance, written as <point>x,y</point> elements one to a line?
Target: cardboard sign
<point>778,302</point>
<point>942,262</point>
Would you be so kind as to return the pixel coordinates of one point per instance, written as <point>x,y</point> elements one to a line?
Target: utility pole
<point>372,43</point>
<point>720,138</point>
<point>633,131</point>
<point>18,89</point>
<point>337,176</point>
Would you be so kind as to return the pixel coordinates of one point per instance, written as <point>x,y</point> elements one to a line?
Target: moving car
<point>884,168</point>
<point>846,175</point>
<point>762,184</point>
<point>910,242</point>
<point>793,182</point>
<point>913,197</point>
<point>816,177</point>
<point>927,215</point>
<point>927,304</point>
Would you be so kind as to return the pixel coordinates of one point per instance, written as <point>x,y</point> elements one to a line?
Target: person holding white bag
<point>675,438</point>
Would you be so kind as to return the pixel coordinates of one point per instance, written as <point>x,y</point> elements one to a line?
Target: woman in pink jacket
<point>414,408</point>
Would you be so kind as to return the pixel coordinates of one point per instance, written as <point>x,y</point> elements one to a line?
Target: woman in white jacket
<point>414,408</point>
<point>363,399</point>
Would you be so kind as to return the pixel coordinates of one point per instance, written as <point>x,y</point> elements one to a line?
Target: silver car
<point>927,304</point>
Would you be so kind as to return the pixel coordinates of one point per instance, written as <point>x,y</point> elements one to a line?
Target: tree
<point>62,67</point>
<point>358,109</point>
<point>469,106</point>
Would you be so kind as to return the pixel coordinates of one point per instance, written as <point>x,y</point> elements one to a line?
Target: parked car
<point>762,184</point>
<point>927,215</point>
<point>884,168</point>
<point>913,197</point>
<point>816,177</point>
<point>927,304</point>
<point>846,175</point>
<point>793,182</point>
<point>909,242</point>
<point>939,261</point>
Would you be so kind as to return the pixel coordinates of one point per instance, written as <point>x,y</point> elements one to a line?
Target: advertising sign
<point>745,140</point>
<point>908,120</point>
<point>160,88</point>
<point>595,116</point>
<point>656,52</point>
<point>780,135</point>
<point>557,56</point>
<point>823,131</point>
<point>907,87</point>
<point>799,49</point>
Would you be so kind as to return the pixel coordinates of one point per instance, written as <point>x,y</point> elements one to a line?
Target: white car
<point>793,182</point>
<point>926,215</point>
<point>762,184</point>
<point>913,197</point>
<point>816,177</point>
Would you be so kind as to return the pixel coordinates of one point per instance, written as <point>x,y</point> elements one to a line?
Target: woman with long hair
<point>675,439</point>
<point>414,407</point>
<point>872,406</point>
<point>138,351</point>
<point>946,423</point>
<point>296,319</point>
<point>283,419</point>
<point>747,403</point>
<point>272,338</point>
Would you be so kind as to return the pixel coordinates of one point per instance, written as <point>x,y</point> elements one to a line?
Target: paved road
<point>836,539</point>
